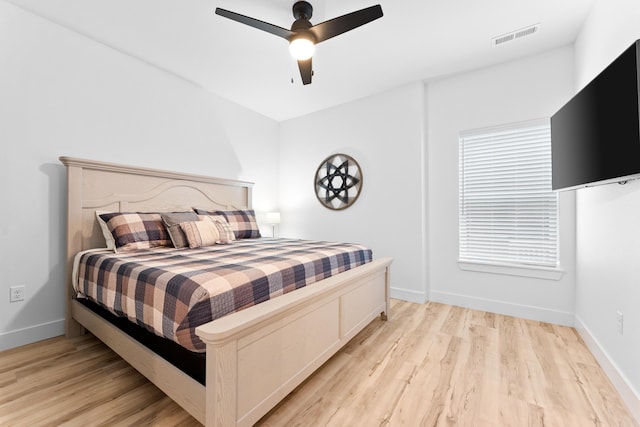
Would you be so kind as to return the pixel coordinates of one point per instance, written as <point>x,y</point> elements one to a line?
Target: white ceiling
<point>414,40</point>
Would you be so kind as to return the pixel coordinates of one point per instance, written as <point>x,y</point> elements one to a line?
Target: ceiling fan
<point>303,36</point>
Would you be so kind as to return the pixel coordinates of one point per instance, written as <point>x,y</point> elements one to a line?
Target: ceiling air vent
<point>515,34</point>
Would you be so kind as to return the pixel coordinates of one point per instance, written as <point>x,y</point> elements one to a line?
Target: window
<point>508,212</point>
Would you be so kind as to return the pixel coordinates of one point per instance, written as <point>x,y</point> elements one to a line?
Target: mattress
<point>172,291</point>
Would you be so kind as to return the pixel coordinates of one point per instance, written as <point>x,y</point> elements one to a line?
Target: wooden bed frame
<point>255,357</point>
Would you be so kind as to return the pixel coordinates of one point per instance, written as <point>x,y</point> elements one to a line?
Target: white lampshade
<point>272,218</point>
<point>302,48</point>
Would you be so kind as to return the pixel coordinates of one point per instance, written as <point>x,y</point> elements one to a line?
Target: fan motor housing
<point>302,10</point>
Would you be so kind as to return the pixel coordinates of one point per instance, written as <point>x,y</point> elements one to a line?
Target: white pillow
<point>108,237</point>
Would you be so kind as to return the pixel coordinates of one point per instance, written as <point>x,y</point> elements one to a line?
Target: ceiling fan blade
<point>256,23</point>
<point>336,26</point>
<point>306,70</point>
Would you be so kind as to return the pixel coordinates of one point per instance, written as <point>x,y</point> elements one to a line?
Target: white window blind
<point>508,212</point>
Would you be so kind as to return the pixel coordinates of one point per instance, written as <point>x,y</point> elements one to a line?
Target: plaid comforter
<point>170,292</point>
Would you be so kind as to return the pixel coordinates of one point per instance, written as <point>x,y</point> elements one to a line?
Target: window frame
<point>517,268</point>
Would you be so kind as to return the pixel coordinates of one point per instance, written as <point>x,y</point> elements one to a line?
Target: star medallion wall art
<point>338,181</point>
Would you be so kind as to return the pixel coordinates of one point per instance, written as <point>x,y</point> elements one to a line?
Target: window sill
<point>545,273</point>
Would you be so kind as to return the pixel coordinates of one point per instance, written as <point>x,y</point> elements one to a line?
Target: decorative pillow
<point>200,233</point>
<point>243,222</point>
<point>224,229</point>
<point>136,230</point>
<point>172,221</point>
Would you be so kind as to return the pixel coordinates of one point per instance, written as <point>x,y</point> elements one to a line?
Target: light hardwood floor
<point>429,365</point>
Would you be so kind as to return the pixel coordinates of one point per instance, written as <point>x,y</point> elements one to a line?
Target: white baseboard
<point>540,314</point>
<point>627,392</point>
<point>407,295</point>
<point>31,334</point>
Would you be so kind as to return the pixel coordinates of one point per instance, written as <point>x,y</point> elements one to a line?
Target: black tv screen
<point>595,137</point>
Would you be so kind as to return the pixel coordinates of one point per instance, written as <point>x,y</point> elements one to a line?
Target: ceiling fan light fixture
<point>302,48</point>
<point>303,36</point>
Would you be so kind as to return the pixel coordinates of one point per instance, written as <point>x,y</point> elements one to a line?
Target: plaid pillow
<point>243,222</point>
<point>200,233</point>
<point>226,234</point>
<point>136,230</point>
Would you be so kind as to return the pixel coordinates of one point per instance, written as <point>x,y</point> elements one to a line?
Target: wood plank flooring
<point>429,365</point>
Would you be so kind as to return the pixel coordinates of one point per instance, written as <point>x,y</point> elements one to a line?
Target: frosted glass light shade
<point>302,48</point>
<point>272,218</point>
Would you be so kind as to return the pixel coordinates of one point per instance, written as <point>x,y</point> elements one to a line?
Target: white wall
<point>63,94</point>
<point>608,230</point>
<point>384,135</point>
<point>531,88</point>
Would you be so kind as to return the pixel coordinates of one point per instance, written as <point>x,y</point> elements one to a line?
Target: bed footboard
<point>275,334</point>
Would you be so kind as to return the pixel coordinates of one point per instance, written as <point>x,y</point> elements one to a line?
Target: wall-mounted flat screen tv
<point>595,137</point>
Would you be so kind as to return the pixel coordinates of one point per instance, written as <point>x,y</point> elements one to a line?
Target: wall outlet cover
<point>16,293</point>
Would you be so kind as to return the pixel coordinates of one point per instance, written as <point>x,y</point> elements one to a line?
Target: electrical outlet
<point>16,293</point>
<point>619,322</point>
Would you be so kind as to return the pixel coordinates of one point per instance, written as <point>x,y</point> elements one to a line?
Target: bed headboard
<point>93,185</point>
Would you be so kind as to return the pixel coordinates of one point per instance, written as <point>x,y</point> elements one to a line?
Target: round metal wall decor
<point>338,181</point>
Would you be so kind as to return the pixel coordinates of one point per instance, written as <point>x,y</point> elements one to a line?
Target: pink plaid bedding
<point>171,292</point>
